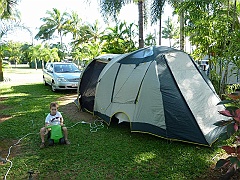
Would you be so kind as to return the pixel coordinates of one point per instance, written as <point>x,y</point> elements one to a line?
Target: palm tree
<point>119,39</point>
<point>156,15</point>
<point>55,21</point>
<point>47,54</point>
<point>111,8</point>
<point>170,31</point>
<point>34,52</point>
<point>96,32</point>
<point>140,23</point>
<point>84,34</point>
<point>178,4</point>
<point>80,32</point>
<point>150,40</point>
<point>6,7</point>
<point>73,25</point>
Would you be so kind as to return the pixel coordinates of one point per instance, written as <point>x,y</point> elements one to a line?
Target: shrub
<point>232,110</point>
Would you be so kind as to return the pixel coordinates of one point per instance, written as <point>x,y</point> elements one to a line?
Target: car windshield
<point>66,68</point>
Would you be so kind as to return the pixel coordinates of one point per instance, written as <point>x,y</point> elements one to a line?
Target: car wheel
<point>53,87</point>
<point>44,82</point>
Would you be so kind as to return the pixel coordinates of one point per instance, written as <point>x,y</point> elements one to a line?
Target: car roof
<point>60,63</point>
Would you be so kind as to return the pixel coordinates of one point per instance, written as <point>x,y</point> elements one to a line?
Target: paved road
<point>21,74</point>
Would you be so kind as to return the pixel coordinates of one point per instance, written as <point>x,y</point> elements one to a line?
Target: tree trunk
<point>1,72</point>
<point>42,64</point>
<point>181,16</point>
<point>140,23</point>
<point>61,40</point>
<point>160,31</point>
<point>36,64</point>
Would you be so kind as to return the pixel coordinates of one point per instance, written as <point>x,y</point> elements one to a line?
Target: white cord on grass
<point>93,128</point>
<point>9,152</point>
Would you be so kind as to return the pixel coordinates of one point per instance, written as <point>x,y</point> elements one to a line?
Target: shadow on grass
<point>27,106</point>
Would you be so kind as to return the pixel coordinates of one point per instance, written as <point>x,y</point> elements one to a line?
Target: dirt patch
<point>4,149</point>
<point>218,174</point>
<point>2,107</point>
<point>3,98</point>
<point>4,117</point>
<point>71,111</point>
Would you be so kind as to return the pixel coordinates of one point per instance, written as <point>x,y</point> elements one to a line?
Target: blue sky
<point>32,10</point>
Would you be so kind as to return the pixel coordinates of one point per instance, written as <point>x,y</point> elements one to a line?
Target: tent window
<point>128,82</point>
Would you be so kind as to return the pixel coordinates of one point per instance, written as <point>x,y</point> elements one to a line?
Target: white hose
<point>9,152</point>
<point>93,128</point>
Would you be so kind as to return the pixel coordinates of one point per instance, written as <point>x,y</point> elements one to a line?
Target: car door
<point>49,72</point>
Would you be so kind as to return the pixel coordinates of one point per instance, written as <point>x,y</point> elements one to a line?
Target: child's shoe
<point>67,142</point>
<point>42,145</point>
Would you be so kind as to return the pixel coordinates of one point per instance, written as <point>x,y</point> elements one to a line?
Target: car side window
<point>46,66</point>
<point>51,68</point>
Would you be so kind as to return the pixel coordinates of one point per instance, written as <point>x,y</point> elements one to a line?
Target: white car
<point>60,75</point>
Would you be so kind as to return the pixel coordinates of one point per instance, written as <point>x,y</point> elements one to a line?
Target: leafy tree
<point>170,31</point>
<point>82,34</point>
<point>73,25</point>
<point>47,54</point>
<point>62,49</point>
<point>6,7</point>
<point>3,51</point>
<point>150,40</point>
<point>111,8</point>
<point>14,51</point>
<point>55,21</point>
<point>94,49</point>
<point>10,18</point>
<point>4,48</point>
<point>88,43</point>
<point>119,39</point>
<point>86,51</point>
<point>97,33</point>
<point>34,52</point>
<point>213,27</point>
<point>39,52</point>
<point>156,15</point>
<point>180,11</point>
<point>25,52</point>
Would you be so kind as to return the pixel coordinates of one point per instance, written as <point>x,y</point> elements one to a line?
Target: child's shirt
<point>53,120</point>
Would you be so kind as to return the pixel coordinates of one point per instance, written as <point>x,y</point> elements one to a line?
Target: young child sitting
<point>53,118</point>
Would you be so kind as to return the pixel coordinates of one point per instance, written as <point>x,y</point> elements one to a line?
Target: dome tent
<point>159,90</point>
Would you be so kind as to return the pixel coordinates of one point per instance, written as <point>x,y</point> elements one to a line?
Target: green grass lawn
<point>110,153</point>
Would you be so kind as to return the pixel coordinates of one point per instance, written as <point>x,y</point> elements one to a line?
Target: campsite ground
<point>22,74</point>
<point>69,109</point>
